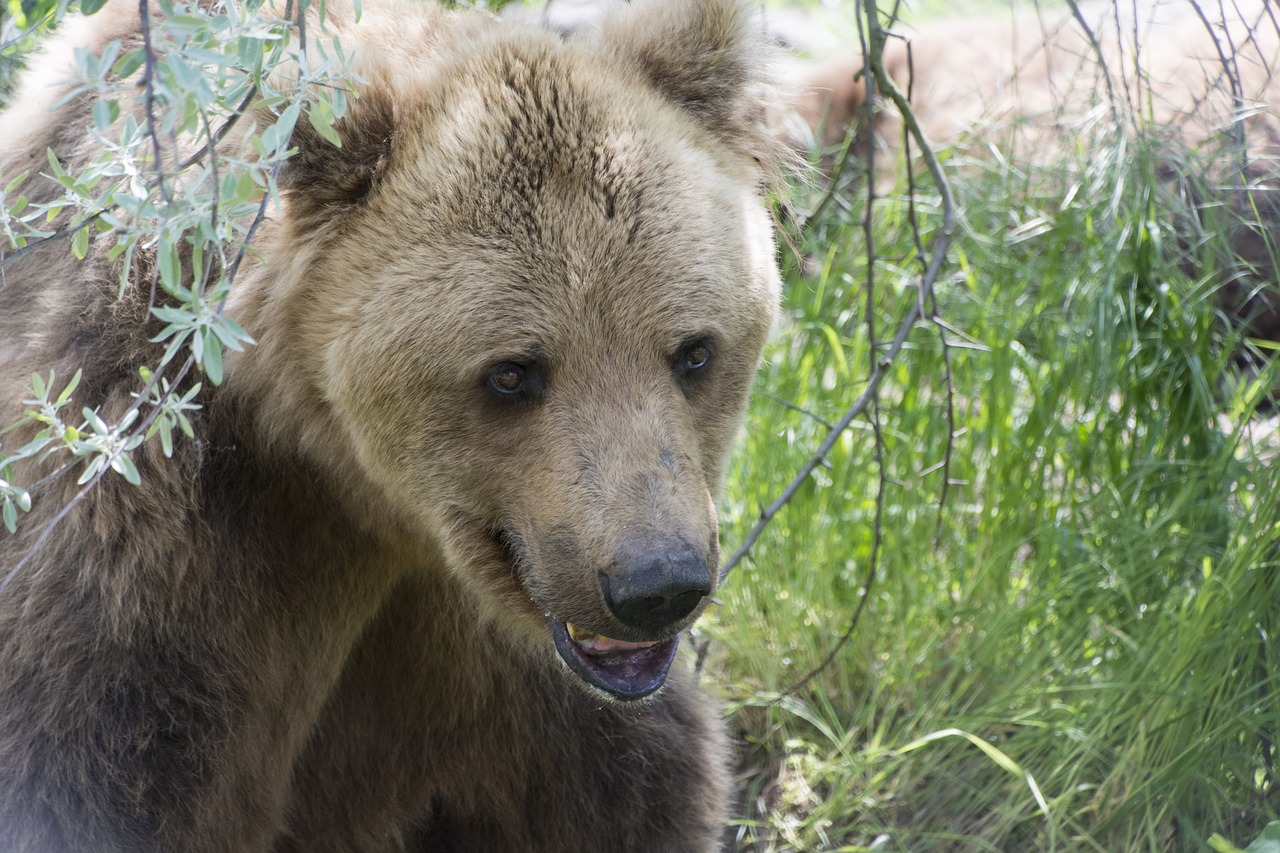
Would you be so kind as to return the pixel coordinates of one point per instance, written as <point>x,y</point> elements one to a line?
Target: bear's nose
<point>651,588</point>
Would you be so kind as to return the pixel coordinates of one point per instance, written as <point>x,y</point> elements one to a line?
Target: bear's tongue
<point>622,669</point>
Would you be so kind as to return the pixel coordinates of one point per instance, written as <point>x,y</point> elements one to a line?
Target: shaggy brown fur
<point>326,623</point>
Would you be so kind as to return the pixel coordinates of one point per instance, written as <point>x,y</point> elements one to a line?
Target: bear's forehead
<point>550,184</point>
<point>526,127</point>
<point>546,160</point>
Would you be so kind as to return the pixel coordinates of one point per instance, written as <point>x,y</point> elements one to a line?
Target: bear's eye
<point>694,356</point>
<point>692,362</point>
<point>507,378</point>
<point>513,383</point>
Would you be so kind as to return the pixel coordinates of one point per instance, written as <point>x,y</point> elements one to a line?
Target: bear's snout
<point>651,586</point>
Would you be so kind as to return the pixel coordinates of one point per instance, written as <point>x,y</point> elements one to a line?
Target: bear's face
<point>545,369</point>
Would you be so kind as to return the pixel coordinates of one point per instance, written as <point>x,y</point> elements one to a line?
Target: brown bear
<point>419,580</point>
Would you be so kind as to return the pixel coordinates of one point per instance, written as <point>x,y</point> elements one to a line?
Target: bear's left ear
<point>709,57</point>
<point>324,179</point>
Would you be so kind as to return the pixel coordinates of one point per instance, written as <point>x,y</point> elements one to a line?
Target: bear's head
<point>533,287</point>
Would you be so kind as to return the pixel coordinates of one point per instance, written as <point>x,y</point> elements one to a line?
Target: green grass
<point>1075,651</point>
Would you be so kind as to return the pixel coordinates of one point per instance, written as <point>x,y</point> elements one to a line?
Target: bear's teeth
<point>578,635</point>
<point>598,644</point>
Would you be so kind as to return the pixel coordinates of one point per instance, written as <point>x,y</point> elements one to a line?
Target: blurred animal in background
<point>1200,78</point>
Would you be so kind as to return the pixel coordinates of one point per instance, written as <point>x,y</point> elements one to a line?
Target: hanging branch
<point>932,268</point>
<point>929,308</point>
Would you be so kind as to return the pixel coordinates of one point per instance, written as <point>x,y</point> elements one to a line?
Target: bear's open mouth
<point>624,670</point>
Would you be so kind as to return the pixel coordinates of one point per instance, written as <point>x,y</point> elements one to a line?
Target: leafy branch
<point>177,207</point>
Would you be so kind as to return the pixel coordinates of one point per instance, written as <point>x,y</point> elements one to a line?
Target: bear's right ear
<point>709,57</point>
<point>322,179</point>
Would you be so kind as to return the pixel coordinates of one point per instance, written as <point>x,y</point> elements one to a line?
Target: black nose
<point>651,588</point>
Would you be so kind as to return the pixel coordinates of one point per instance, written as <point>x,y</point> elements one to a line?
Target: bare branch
<point>932,268</point>
<point>1098,53</point>
<point>928,304</point>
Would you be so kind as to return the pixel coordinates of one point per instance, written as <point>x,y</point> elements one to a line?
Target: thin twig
<point>214,203</point>
<point>1232,72</point>
<point>1124,77</point>
<point>13,254</point>
<point>248,238</point>
<point>217,138</point>
<point>801,409</point>
<point>868,212</point>
<point>1102,59</point>
<point>148,98</point>
<point>949,447</point>
<point>819,456</point>
<point>39,26</point>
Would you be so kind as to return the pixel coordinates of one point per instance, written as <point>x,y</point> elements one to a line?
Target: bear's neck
<point>331,565</point>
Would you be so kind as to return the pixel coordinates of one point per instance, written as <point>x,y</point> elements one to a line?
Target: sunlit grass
<point>1077,653</point>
